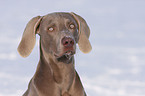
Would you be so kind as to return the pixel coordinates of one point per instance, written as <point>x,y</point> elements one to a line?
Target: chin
<point>65,57</point>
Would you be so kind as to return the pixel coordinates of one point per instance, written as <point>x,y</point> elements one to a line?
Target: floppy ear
<point>84,33</point>
<point>29,38</point>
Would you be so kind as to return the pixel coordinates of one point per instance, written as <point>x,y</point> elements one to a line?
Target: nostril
<point>65,43</point>
<point>72,42</point>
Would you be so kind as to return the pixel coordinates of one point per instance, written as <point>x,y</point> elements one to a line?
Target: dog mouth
<point>66,57</point>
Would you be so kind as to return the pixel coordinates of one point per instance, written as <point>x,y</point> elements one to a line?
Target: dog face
<point>59,35</point>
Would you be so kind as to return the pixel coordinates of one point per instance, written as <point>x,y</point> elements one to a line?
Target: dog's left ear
<point>29,37</point>
<point>84,33</point>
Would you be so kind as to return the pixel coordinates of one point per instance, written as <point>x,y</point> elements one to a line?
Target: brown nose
<point>67,42</point>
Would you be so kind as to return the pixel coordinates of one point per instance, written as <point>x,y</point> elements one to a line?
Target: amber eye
<point>50,29</point>
<point>71,26</point>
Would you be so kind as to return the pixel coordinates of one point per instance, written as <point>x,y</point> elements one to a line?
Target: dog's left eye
<point>71,26</point>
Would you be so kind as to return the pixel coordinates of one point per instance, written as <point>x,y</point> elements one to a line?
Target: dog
<point>59,33</point>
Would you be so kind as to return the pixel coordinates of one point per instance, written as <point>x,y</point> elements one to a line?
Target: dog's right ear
<point>29,38</point>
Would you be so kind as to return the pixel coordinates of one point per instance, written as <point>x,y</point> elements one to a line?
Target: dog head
<point>59,33</point>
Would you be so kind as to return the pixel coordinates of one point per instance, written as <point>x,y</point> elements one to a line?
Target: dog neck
<point>59,71</point>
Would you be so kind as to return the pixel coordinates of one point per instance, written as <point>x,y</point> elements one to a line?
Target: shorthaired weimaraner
<point>59,32</point>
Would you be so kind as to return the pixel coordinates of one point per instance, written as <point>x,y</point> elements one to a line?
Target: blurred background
<point>115,66</point>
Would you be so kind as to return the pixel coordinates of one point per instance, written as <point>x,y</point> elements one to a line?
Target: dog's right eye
<point>50,29</point>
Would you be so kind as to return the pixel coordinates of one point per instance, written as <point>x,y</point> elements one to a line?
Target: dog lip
<point>69,52</point>
<point>66,53</point>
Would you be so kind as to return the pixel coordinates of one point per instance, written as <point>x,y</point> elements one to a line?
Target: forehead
<point>59,17</point>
